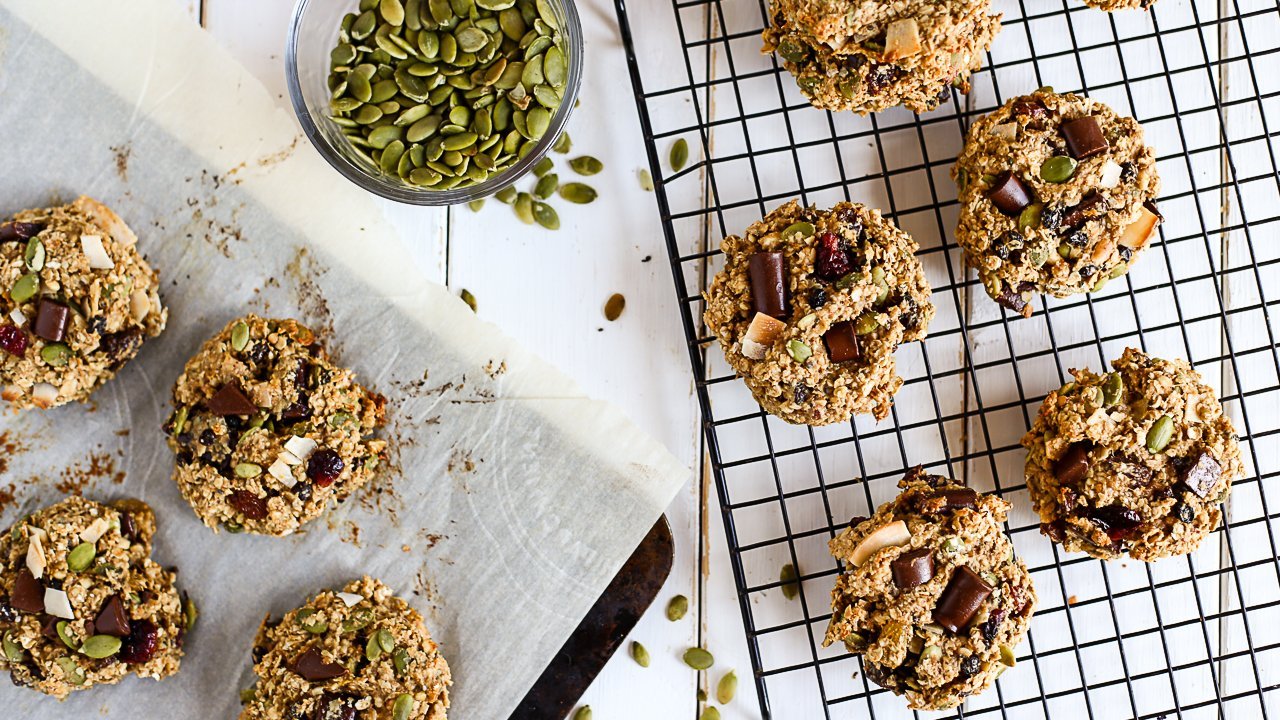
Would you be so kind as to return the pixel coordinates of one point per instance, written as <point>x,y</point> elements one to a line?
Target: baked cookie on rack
<point>811,305</point>
<point>268,431</point>
<point>931,595</point>
<point>1135,461</point>
<point>81,601</point>
<point>865,56</point>
<point>1112,5</point>
<point>78,300</point>
<point>1057,195</point>
<point>358,653</point>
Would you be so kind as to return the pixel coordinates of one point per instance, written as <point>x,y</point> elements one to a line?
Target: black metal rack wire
<point>1196,636</point>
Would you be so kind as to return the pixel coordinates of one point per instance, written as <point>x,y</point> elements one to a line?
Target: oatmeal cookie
<point>1135,461</point>
<point>78,301</point>
<point>1057,195</point>
<point>1112,5</point>
<point>866,56</point>
<point>359,654</point>
<point>268,431</point>
<point>811,305</point>
<point>932,596</point>
<point>81,601</point>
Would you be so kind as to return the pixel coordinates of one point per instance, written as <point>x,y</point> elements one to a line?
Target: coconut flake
<point>1110,174</point>
<point>17,317</point>
<point>350,599</point>
<point>301,447</point>
<point>44,395</point>
<point>95,531</point>
<point>1008,131</point>
<point>36,559</point>
<point>288,458</point>
<point>892,535</point>
<point>139,304</point>
<point>11,392</point>
<point>97,255</point>
<point>57,604</point>
<point>282,472</point>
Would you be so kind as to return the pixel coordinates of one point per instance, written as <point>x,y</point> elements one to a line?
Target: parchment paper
<point>513,499</point>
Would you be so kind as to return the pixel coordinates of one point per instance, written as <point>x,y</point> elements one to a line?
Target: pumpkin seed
<point>1058,169</point>
<point>639,654</point>
<point>1112,389</point>
<point>391,11</point>
<point>306,618</point>
<point>81,557</point>
<point>63,628</point>
<point>543,166</point>
<point>1007,656</point>
<point>1160,434</point>
<point>56,354</point>
<point>248,695</point>
<point>586,165</point>
<point>1029,219</point>
<point>248,470</point>
<point>867,323</point>
<point>583,713</point>
<point>190,613</point>
<point>538,120</point>
<point>679,155</point>
<point>698,659</point>
<point>563,143</point>
<point>677,608</point>
<point>804,229</point>
<point>25,288</point>
<point>372,648</point>
<point>577,193</point>
<point>546,186</point>
<point>727,688</point>
<point>790,581</point>
<point>357,621</point>
<point>555,68</point>
<point>12,650</point>
<point>506,195</point>
<point>73,673</point>
<point>34,256</point>
<point>546,216</point>
<point>239,336</point>
<point>400,659</point>
<point>403,707</point>
<point>234,528</point>
<point>101,646</point>
<point>524,208</point>
<point>468,298</point>
<point>798,351</point>
<point>646,180</point>
<point>476,205</point>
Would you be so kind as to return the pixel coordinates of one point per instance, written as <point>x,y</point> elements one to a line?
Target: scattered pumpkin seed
<point>727,688</point>
<point>639,654</point>
<point>867,323</point>
<point>702,695</point>
<point>190,613</point>
<point>101,646</point>
<point>586,165</point>
<point>953,545</point>
<point>248,470</point>
<point>790,581</point>
<point>468,298</point>
<point>614,306</point>
<point>357,621</point>
<point>63,628</point>
<point>698,659</point>
<point>711,713</point>
<point>646,180</point>
<point>400,659</point>
<point>403,707</point>
<point>546,215</point>
<point>1007,657</point>
<point>1029,219</point>
<point>506,195</point>
<point>386,640</point>
<point>12,650</point>
<point>25,288</point>
<point>679,155</point>
<point>248,695</point>
<point>583,713</point>
<point>239,336</point>
<point>524,208</point>
<point>476,205</point>
<point>677,608</point>
<point>179,420</point>
<point>1058,169</point>
<point>81,557</point>
<point>74,674</point>
<point>563,144</point>
<point>55,354</point>
<point>1160,434</point>
<point>546,186</point>
<point>578,193</point>
<point>34,256</point>
<point>798,351</point>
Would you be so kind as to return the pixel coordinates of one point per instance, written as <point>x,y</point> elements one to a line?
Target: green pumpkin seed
<point>524,208</point>
<point>56,354</point>
<point>790,581</point>
<point>506,195</point>
<point>563,144</point>
<point>679,155</point>
<point>81,557</point>
<point>646,180</point>
<point>545,215</point>
<point>400,659</point>
<point>70,670</point>
<point>1007,656</point>
<point>677,608</point>
<point>248,470</point>
<point>386,640</point>
<point>1112,389</point>
<point>63,628</point>
<point>867,323</point>
<point>364,25</point>
<point>1058,169</point>
<point>403,707</point>
<point>546,186</point>
<point>1160,434</point>
<point>639,654</point>
<point>234,528</point>
<point>586,165</point>
<point>34,256</point>
<point>554,67</point>
<point>1029,219</point>
<point>460,141</point>
<point>383,136</point>
<point>727,688</point>
<point>101,646</point>
<point>698,659</point>
<point>798,351</point>
<point>190,613</point>
<point>577,193</point>
<point>391,11</point>
<point>25,288</point>
<point>543,166</point>
<point>583,713</point>
<point>239,336</point>
<point>804,229</point>
<point>357,621</point>
<point>248,695</point>
<point>359,88</point>
<point>372,649</point>
<point>12,650</point>
<point>538,120</point>
<point>954,545</point>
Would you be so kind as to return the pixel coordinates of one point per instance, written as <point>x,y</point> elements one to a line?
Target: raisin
<point>248,504</point>
<point>98,325</point>
<point>336,708</point>
<point>1051,218</point>
<point>300,410</point>
<point>999,249</point>
<point>120,346</point>
<point>13,340</point>
<point>1184,512</point>
<point>831,261</point>
<point>207,437</point>
<point>16,231</point>
<point>1088,271</point>
<point>992,625</point>
<point>881,77</point>
<point>1126,253</point>
<point>128,528</point>
<point>324,467</point>
<point>1077,239</point>
<point>800,393</point>
<point>8,615</point>
<point>303,491</point>
<point>817,298</point>
<point>910,316</point>
<point>970,666</point>
<point>1128,172</point>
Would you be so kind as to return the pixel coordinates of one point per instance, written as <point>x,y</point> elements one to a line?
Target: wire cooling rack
<point>1195,636</point>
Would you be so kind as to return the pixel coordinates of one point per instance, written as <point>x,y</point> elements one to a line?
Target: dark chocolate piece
<point>1115,518</point>
<point>19,231</point>
<point>842,342</point>
<point>1082,210</point>
<point>51,320</point>
<point>311,666</point>
<point>1201,474</point>
<point>960,498</point>
<point>961,599</point>
<point>1084,137</point>
<point>768,272</point>
<point>1011,298</point>
<point>912,568</point>
<point>1009,194</point>
<point>1073,467</point>
<point>231,400</point>
<point>112,619</point>
<point>28,594</point>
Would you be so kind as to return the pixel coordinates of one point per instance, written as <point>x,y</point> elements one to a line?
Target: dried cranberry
<point>128,528</point>
<point>248,504</point>
<point>832,261</point>
<point>300,410</point>
<point>324,467</point>
<point>142,644</point>
<point>1029,106</point>
<point>13,339</point>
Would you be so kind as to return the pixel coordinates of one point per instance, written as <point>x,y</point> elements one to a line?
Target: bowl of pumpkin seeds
<point>434,102</point>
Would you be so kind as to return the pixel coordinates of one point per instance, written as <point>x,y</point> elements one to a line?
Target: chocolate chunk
<point>311,666</point>
<point>28,594</point>
<point>1011,298</point>
<point>231,400</point>
<point>1073,467</point>
<point>1151,205</point>
<point>958,603</point>
<point>1082,210</point>
<point>1115,518</point>
<point>912,568</point>
<point>112,619</point>
<point>49,628</point>
<point>1201,474</point>
<point>51,320</point>
<point>768,271</point>
<point>1084,137</point>
<point>1030,107</point>
<point>961,498</point>
<point>1009,194</point>
<point>19,231</point>
<point>842,342</point>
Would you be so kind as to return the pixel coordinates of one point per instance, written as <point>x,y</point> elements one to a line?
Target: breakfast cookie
<point>811,305</point>
<point>1057,195</point>
<point>866,56</point>
<point>78,300</point>
<point>359,654</point>
<point>1112,5</point>
<point>268,431</point>
<point>81,601</point>
<point>1135,461</point>
<point>931,596</point>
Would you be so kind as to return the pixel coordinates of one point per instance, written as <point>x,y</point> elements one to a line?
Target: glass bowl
<point>313,34</point>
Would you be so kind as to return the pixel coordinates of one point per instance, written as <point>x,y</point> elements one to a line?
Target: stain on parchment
<point>79,475</point>
<point>122,153</point>
<point>312,307</point>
